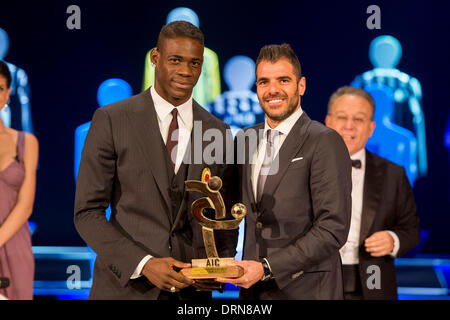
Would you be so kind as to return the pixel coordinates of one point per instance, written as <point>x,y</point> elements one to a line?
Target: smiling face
<point>178,64</point>
<point>351,116</point>
<point>278,90</point>
<point>4,92</point>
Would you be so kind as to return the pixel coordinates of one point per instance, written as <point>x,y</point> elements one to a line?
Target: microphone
<point>4,282</point>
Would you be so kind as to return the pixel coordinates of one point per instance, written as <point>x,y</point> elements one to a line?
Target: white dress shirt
<point>283,130</point>
<point>185,120</point>
<point>350,251</point>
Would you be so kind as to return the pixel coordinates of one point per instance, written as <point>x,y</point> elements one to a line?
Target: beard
<point>292,106</point>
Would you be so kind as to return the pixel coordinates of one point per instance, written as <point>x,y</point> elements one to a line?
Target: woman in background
<point>18,162</point>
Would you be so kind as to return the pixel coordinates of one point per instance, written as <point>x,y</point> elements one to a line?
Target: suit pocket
<point>321,267</point>
<point>307,286</point>
<point>300,163</point>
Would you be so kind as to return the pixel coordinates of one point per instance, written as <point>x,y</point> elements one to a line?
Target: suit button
<point>259,225</point>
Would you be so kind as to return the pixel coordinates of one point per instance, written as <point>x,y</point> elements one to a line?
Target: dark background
<point>65,68</point>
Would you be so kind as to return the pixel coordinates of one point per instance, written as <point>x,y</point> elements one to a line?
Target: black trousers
<point>352,282</point>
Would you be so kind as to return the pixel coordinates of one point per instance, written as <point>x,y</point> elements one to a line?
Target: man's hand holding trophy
<point>213,266</point>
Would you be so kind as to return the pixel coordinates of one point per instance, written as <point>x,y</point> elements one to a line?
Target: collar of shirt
<point>349,252</point>
<point>286,125</point>
<point>164,108</point>
<point>283,128</point>
<point>185,122</point>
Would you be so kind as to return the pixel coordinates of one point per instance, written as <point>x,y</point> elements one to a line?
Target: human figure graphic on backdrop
<point>239,107</point>
<point>18,163</point>
<point>18,113</point>
<point>110,91</point>
<point>390,140</point>
<point>208,85</point>
<point>385,53</point>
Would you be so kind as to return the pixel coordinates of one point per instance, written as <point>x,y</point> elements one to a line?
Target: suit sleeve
<point>330,188</point>
<point>95,183</point>
<point>227,240</point>
<point>407,222</point>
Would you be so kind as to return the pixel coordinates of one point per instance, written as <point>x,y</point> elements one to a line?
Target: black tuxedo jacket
<point>388,204</point>
<point>303,217</point>
<point>124,164</point>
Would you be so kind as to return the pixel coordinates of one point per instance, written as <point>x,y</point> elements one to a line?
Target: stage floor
<point>64,273</point>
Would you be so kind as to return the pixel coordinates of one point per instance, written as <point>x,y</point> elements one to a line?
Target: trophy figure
<point>214,266</point>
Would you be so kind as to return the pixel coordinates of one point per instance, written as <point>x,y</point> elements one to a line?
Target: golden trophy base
<point>212,268</point>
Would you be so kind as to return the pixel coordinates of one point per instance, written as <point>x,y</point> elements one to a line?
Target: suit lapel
<point>291,146</point>
<point>194,152</point>
<point>249,153</point>
<point>148,137</point>
<point>197,143</point>
<point>373,181</point>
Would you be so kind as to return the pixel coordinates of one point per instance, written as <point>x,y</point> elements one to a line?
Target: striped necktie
<point>267,163</point>
<point>172,139</point>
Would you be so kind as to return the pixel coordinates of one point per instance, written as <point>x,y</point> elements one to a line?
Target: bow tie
<point>356,164</point>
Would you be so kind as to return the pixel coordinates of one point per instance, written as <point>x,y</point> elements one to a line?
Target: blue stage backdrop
<point>65,67</point>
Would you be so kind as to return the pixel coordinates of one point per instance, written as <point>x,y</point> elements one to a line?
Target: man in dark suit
<point>296,184</point>
<point>384,221</point>
<point>137,156</point>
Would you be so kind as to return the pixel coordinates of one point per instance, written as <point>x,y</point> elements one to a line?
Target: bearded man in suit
<point>296,184</point>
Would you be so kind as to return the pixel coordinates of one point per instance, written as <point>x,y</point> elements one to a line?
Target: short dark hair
<point>4,71</point>
<point>353,91</point>
<point>275,52</point>
<point>180,29</point>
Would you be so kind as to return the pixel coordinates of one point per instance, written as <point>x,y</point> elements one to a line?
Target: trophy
<point>214,266</point>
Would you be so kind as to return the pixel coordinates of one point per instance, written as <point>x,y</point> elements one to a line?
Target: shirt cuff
<point>394,252</point>
<point>137,273</point>
<point>268,264</point>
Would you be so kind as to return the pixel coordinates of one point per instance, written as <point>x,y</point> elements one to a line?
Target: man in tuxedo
<point>384,222</point>
<point>296,184</point>
<point>137,156</point>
